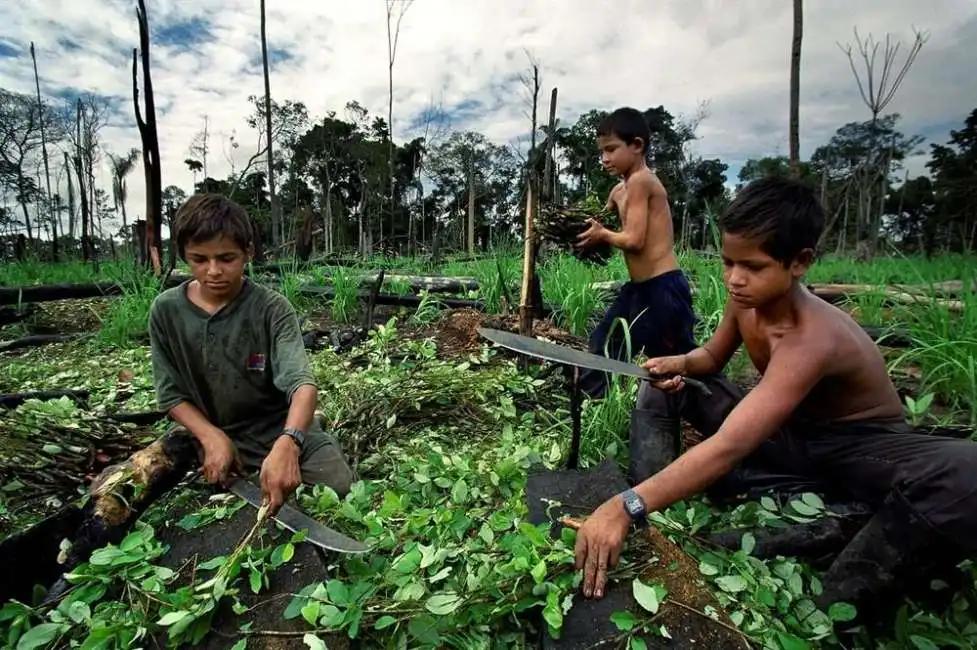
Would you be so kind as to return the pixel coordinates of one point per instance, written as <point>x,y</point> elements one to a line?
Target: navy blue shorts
<point>659,315</point>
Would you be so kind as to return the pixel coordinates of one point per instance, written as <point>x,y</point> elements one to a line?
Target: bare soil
<point>268,629</point>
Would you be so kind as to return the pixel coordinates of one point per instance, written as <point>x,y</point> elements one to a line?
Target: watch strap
<point>296,435</point>
<point>635,506</point>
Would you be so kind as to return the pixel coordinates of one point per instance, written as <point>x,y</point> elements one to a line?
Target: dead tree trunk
<point>47,169</point>
<point>71,197</point>
<point>150,144</point>
<point>795,91</point>
<point>86,244</point>
<point>276,213</point>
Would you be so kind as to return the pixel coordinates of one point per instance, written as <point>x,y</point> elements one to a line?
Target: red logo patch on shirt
<point>256,363</point>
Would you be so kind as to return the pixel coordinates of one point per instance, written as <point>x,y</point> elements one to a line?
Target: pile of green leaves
<point>445,447</point>
<point>372,399</point>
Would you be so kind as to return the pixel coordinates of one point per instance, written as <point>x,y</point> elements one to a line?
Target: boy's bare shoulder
<point>829,336</point>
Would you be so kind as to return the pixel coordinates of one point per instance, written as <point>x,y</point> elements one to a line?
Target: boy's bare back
<point>816,337</point>
<point>644,190</point>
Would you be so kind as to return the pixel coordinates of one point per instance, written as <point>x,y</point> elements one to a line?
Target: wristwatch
<point>295,435</point>
<point>634,505</point>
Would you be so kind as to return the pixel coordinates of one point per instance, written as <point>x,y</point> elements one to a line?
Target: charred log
<point>13,400</point>
<point>120,494</point>
<point>35,341</point>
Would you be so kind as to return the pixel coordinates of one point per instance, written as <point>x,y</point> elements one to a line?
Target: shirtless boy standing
<point>825,408</point>
<point>656,302</point>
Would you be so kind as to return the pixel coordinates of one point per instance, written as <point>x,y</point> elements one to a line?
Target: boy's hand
<point>599,543</point>
<point>220,458</point>
<point>280,473</point>
<point>671,367</point>
<point>592,236</point>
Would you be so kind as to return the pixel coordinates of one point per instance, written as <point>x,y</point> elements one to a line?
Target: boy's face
<point>754,278</point>
<point>616,156</point>
<point>218,265</point>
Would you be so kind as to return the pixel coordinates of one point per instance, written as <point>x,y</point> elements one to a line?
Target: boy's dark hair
<point>628,124</point>
<point>205,216</point>
<point>786,214</point>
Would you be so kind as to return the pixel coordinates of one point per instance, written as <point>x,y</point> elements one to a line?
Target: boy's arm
<point>291,372</point>
<point>640,192</point>
<point>795,368</point>
<point>713,355</point>
<point>707,359</point>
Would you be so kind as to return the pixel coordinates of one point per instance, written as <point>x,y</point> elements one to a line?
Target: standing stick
<point>528,265</point>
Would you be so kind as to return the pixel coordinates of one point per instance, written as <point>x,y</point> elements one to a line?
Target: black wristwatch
<point>295,435</point>
<point>634,505</point>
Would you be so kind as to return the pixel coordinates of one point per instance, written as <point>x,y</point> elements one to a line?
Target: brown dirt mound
<point>456,332</point>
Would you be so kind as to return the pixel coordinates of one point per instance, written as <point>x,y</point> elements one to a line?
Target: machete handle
<point>694,383</point>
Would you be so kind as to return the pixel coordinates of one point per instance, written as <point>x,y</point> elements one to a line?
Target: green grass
<point>944,347</point>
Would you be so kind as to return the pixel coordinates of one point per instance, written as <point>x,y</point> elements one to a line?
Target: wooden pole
<point>528,264</point>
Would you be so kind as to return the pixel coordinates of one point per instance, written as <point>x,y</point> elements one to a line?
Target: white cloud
<point>735,55</point>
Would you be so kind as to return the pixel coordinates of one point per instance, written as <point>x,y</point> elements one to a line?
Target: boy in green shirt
<point>229,365</point>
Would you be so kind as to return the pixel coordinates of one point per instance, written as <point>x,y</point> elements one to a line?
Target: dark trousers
<point>658,321</point>
<point>868,462</point>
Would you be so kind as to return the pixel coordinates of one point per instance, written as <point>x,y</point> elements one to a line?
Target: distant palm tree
<point>121,167</point>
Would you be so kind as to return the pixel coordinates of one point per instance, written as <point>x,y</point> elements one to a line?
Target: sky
<point>465,59</point>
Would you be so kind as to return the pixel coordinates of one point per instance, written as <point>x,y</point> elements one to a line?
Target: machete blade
<point>568,356</point>
<point>292,519</point>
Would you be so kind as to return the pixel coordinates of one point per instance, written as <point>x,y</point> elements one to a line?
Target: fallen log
<point>35,341</point>
<point>327,293</point>
<point>10,315</point>
<point>13,400</point>
<point>119,495</point>
<point>888,337</point>
<point>839,293</point>
<point>433,283</point>
<point>53,292</point>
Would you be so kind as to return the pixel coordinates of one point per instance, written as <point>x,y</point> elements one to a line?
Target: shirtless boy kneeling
<point>825,408</point>
<point>656,302</point>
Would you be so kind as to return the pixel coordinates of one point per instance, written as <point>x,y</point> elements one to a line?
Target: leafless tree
<point>393,36</point>
<point>276,212</point>
<point>877,92</point>
<point>795,91</point>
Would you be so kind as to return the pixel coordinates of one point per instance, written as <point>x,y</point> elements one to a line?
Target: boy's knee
<point>326,465</point>
<point>653,399</point>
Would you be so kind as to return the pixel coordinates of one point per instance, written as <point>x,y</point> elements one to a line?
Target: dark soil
<point>188,548</point>
<point>588,622</point>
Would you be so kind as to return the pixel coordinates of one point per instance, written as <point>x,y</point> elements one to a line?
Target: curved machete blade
<point>295,521</point>
<point>562,354</point>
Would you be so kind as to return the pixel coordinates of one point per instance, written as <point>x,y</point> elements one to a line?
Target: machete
<point>569,356</point>
<point>292,519</point>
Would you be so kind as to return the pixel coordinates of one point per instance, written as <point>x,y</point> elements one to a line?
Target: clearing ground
<point>444,433</point>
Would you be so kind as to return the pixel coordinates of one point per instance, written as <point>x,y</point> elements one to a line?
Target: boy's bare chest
<point>759,340</point>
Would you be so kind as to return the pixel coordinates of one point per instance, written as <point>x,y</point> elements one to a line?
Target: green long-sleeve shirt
<point>240,366</point>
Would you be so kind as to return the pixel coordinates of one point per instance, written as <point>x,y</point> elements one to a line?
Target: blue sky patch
<point>8,51</point>
<point>184,33</point>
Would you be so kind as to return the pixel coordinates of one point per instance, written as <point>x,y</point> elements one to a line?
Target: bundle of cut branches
<point>48,450</point>
<point>561,226</point>
<point>371,408</point>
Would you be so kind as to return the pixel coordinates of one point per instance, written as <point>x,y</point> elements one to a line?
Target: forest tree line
<point>338,190</point>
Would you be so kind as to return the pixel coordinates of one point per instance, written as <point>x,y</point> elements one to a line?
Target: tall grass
<point>944,342</point>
